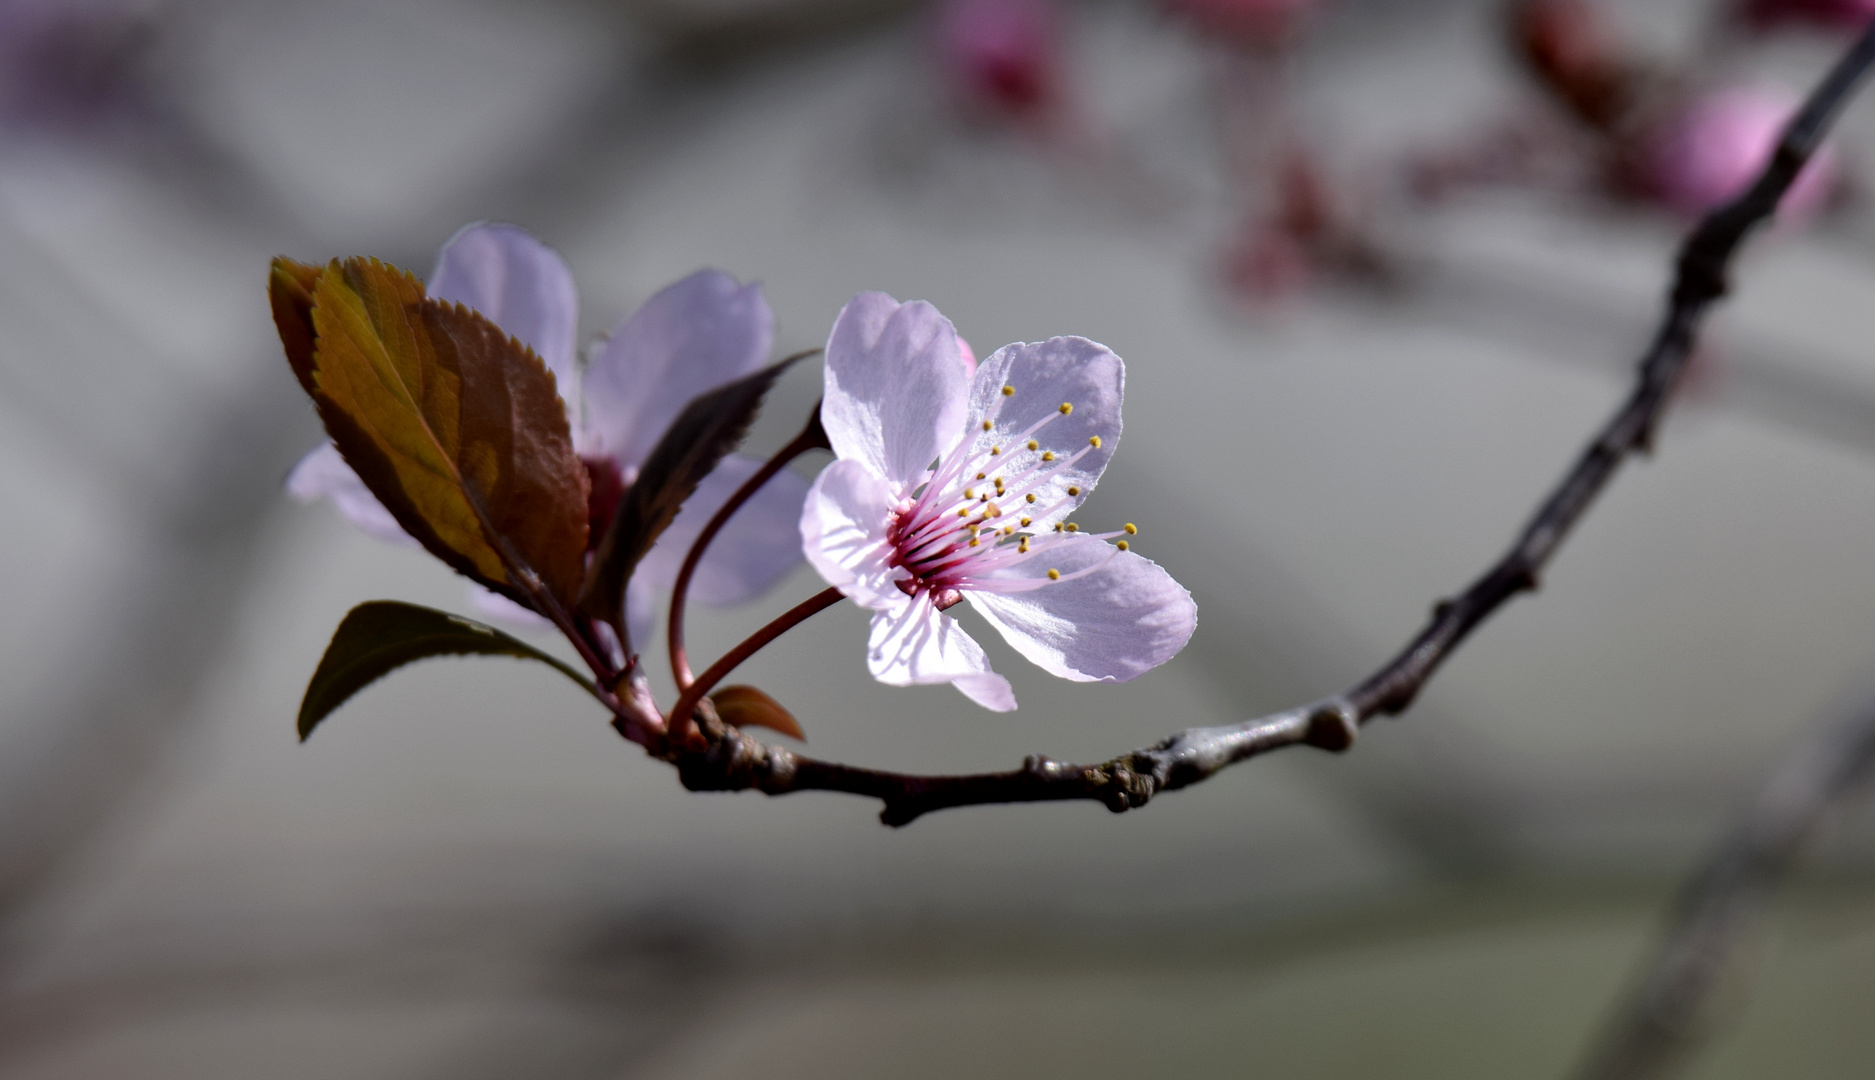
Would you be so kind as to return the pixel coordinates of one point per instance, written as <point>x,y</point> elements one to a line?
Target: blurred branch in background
<point>196,519</point>
<point>734,761</point>
<point>1676,1005</point>
<point>1772,380</point>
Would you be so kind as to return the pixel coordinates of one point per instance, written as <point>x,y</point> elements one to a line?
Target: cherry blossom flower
<point>693,336</point>
<point>1709,150</point>
<point>954,486</point>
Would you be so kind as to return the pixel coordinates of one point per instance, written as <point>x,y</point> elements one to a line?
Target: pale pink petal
<point>895,386</point>
<point>641,609</point>
<point>1125,617</point>
<point>519,284</point>
<point>967,354</point>
<point>755,549</point>
<point>692,336</point>
<point>915,644</point>
<point>323,474</point>
<point>843,532</point>
<point>1045,375</point>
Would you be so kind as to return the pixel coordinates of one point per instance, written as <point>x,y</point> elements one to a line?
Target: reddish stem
<point>681,725</point>
<point>810,438</point>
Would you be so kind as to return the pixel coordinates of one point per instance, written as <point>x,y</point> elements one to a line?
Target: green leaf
<point>381,636</point>
<point>708,428</point>
<point>456,427</point>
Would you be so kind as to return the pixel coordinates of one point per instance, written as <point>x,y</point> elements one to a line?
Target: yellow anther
<point>1048,455</point>
<point>1030,497</point>
<point>1033,445</point>
<point>965,512</point>
<point>970,493</point>
<point>1131,528</point>
<point>994,450</point>
<point>1008,391</point>
<point>1123,545</point>
<point>1074,491</point>
<point>1066,408</point>
<point>1057,526</point>
<point>1072,527</point>
<point>987,425</point>
<point>1094,441</point>
<point>1025,523</point>
<point>999,483</point>
<point>979,476</point>
<point>974,541</point>
<point>1023,547</point>
<point>1054,574</point>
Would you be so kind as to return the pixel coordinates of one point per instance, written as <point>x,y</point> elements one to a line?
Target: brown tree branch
<point>1671,1009</point>
<point>734,761</point>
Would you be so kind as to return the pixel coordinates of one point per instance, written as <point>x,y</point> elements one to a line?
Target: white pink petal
<point>912,643</point>
<point>520,285</point>
<point>1113,615</point>
<point>895,386</point>
<point>690,337</point>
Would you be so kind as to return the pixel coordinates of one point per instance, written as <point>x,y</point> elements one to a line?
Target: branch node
<point>1332,726</point>
<point>898,813</point>
<point>731,760</point>
<point>1122,786</point>
<point>1044,768</point>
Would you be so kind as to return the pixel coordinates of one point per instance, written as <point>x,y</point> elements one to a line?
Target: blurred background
<point>1377,268</point>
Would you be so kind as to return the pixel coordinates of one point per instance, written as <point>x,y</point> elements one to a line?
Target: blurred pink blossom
<point>1712,148</point>
<point>1003,54</point>
<point>1245,22</point>
<point>66,63</point>
<point>1577,55</point>
<point>1828,14</point>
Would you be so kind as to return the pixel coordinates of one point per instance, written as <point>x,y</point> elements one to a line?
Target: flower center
<point>975,517</point>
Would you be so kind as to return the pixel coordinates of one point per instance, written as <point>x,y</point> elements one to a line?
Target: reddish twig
<point>754,643</point>
<point>812,437</point>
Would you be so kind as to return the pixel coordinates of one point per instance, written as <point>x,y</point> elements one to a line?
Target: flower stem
<point>634,715</point>
<point>680,725</point>
<point>812,437</point>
